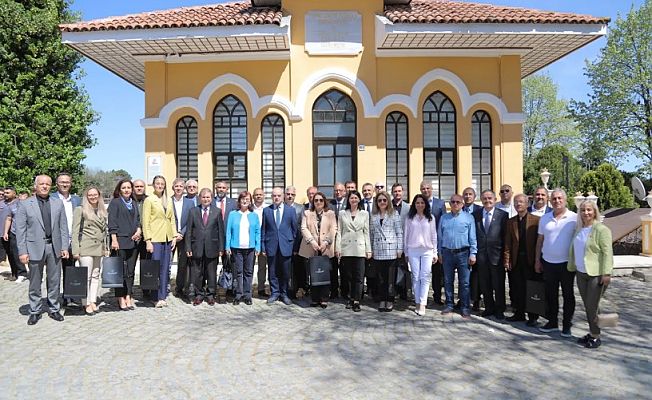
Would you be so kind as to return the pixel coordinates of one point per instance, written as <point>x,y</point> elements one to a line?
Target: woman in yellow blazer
<point>318,229</point>
<point>591,255</point>
<point>89,236</point>
<point>353,245</point>
<point>159,233</point>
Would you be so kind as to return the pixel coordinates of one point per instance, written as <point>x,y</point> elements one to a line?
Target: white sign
<point>333,33</point>
<point>153,167</point>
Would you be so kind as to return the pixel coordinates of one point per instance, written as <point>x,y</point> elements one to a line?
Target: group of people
<point>374,236</point>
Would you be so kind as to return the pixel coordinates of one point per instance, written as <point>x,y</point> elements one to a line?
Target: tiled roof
<point>443,11</point>
<point>241,13</point>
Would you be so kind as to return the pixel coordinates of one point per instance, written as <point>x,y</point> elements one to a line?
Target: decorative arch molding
<point>296,111</point>
<point>200,104</point>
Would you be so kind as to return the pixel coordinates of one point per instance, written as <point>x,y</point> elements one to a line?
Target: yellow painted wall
<point>499,76</point>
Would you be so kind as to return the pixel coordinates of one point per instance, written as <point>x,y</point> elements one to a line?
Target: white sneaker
<point>21,279</point>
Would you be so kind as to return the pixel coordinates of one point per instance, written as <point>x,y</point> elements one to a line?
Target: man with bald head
<point>42,239</point>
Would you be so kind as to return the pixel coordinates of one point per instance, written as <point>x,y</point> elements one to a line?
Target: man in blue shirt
<point>459,247</point>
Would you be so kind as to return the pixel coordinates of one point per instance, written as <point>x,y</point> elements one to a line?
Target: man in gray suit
<point>42,237</point>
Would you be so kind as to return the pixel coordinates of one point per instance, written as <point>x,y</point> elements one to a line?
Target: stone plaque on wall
<point>333,33</point>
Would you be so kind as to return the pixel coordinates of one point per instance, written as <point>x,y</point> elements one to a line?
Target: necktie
<point>223,207</point>
<point>368,206</point>
<point>204,217</point>
<point>487,221</point>
<point>277,216</point>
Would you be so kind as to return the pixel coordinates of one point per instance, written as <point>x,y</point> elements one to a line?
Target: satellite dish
<point>638,188</point>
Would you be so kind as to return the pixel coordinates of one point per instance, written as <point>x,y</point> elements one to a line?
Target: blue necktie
<point>277,216</point>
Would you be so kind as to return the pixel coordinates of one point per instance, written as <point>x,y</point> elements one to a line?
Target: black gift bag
<point>75,284</point>
<point>149,271</point>
<point>320,271</point>
<point>113,272</point>
<point>536,297</point>
<point>225,280</point>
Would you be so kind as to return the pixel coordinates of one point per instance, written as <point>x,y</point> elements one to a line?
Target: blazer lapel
<point>37,211</point>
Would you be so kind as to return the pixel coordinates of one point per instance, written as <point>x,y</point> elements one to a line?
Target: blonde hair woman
<point>159,233</point>
<point>89,241</point>
<point>591,255</point>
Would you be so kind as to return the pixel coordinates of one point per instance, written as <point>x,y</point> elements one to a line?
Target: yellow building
<point>271,93</point>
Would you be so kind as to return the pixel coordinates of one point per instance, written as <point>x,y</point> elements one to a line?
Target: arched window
<point>273,130</point>
<point>230,144</point>
<point>334,131</point>
<point>396,147</point>
<point>187,148</point>
<point>439,145</point>
<point>481,145</point>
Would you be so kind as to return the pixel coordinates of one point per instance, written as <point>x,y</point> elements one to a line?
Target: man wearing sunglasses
<point>505,202</point>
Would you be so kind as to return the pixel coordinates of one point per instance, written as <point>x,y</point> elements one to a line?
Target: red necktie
<point>223,207</point>
<point>204,217</point>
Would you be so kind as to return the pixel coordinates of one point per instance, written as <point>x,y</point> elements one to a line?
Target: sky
<point>121,105</point>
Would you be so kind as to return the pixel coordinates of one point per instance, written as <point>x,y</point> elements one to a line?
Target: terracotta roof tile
<point>443,11</point>
<point>241,13</point>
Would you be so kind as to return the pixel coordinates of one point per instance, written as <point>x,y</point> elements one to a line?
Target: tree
<point>547,118</point>
<point>44,114</point>
<point>617,118</point>
<point>609,185</point>
<point>104,180</point>
<point>552,157</point>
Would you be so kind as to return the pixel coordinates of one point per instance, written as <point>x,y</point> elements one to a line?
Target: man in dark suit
<point>540,205</point>
<point>298,275</point>
<point>519,257</point>
<point>70,202</point>
<point>279,230</point>
<point>204,243</point>
<point>337,204</point>
<point>310,193</point>
<point>181,207</point>
<point>42,239</point>
<point>225,204</point>
<point>437,208</point>
<point>490,223</point>
<point>470,207</point>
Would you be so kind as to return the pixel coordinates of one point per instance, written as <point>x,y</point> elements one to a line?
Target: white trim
<point>175,33</point>
<point>217,57</point>
<point>450,52</point>
<point>200,104</point>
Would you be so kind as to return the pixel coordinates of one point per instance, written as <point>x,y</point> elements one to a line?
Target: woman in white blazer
<point>352,245</point>
<point>386,234</point>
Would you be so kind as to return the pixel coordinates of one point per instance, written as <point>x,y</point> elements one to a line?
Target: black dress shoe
<point>33,319</point>
<point>356,307</point>
<point>56,316</point>
<point>262,294</point>
<point>515,318</point>
<point>532,322</point>
<point>236,302</point>
<point>476,306</point>
<point>487,313</point>
<point>248,302</point>
<point>210,301</point>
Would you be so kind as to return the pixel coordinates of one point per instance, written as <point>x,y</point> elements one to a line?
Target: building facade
<point>272,93</point>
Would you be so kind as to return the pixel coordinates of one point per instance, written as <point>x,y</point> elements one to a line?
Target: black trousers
<point>345,280</point>
<point>141,249</point>
<point>386,273</point>
<point>183,275</point>
<point>491,279</point>
<point>553,276</point>
<point>243,272</point>
<point>520,274</point>
<point>437,280</point>
<point>335,267</point>
<point>475,286</point>
<point>371,275</point>
<point>17,267</point>
<point>66,262</point>
<point>202,270</point>
<point>300,274</point>
<point>129,257</point>
<point>354,267</point>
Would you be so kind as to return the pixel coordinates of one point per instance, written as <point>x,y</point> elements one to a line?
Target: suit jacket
<point>326,233</point>
<point>437,209</point>
<point>298,208</point>
<point>353,234</point>
<point>231,205</point>
<point>475,208</point>
<point>386,239</point>
<point>74,199</point>
<point>123,223</point>
<point>186,206</point>
<point>30,231</point>
<point>158,223</point>
<point>205,240</point>
<point>531,209</point>
<point>333,206</point>
<point>405,210</point>
<point>491,244</point>
<point>279,239</point>
<point>512,240</point>
<point>93,235</point>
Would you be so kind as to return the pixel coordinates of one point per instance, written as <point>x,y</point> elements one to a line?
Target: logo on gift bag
<point>75,283</point>
<point>109,272</point>
<point>535,297</point>
<point>148,275</point>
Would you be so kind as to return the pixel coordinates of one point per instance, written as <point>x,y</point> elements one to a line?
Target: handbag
<point>609,320</point>
<point>75,283</point>
<point>320,270</point>
<point>149,274</point>
<point>536,297</point>
<point>225,281</point>
<point>113,272</point>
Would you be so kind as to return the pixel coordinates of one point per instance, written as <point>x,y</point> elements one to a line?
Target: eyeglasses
<point>505,191</point>
<point>456,202</point>
<point>380,187</point>
<point>290,194</point>
<point>317,200</point>
<point>382,200</point>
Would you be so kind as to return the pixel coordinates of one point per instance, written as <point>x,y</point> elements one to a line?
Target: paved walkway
<point>297,352</point>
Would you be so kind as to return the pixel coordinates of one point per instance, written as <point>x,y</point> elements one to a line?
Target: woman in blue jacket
<point>243,242</point>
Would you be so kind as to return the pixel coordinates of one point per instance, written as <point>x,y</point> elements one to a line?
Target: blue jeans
<point>459,261</point>
<point>163,253</point>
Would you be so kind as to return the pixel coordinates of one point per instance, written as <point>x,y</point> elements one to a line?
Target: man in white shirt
<point>258,206</point>
<point>505,203</point>
<point>540,205</point>
<point>556,231</point>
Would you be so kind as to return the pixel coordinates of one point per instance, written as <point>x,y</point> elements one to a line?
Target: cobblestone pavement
<point>297,352</point>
